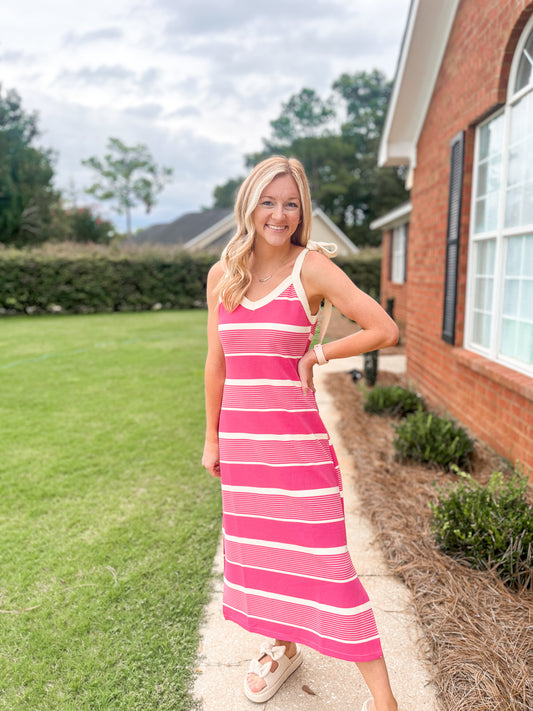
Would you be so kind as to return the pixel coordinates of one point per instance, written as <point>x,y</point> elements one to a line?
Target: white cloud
<point>198,81</point>
<point>102,35</point>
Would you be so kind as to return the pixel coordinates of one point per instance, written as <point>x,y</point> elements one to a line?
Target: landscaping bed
<point>478,634</point>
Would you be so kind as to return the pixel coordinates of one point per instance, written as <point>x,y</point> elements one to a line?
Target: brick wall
<point>494,402</point>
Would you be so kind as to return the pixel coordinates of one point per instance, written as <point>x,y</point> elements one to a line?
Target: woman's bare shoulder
<point>315,265</point>
<point>215,274</point>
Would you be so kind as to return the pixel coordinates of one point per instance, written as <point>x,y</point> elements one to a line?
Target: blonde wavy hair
<point>236,256</point>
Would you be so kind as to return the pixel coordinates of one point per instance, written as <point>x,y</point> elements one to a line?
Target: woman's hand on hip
<point>305,371</point>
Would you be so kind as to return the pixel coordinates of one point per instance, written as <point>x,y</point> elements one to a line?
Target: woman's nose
<point>278,211</point>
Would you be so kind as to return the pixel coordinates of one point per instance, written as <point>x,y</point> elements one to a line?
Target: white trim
<point>312,631</point>
<point>286,465</point>
<point>426,35</point>
<point>311,522</point>
<point>333,550</point>
<point>287,327</point>
<point>273,437</point>
<point>399,216</point>
<point>271,491</point>
<point>305,602</point>
<point>262,381</point>
<point>288,572</point>
<point>511,94</point>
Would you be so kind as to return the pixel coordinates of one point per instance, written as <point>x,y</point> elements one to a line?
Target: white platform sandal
<point>273,679</point>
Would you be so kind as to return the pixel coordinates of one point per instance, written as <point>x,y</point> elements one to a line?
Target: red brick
<point>493,401</point>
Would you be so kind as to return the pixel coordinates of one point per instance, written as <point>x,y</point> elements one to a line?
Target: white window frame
<point>398,253</point>
<point>501,233</point>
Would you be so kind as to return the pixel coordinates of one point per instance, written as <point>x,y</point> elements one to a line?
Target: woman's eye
<point>293,205</point>
<point>267,203</point>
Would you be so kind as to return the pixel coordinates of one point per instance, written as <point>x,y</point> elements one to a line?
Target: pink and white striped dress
<point>287,570</point>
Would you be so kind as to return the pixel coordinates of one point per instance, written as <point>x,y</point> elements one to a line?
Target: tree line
<point>337,140</point>
<point>33,210</point>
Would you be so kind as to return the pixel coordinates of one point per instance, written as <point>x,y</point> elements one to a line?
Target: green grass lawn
<point>108,523</point>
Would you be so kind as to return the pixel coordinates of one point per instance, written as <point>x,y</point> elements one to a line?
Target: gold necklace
<point>269,276</point>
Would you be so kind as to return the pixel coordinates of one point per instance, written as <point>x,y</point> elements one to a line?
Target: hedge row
<point>34,283</point>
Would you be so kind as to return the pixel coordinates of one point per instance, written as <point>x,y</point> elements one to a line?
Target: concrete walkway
<point>225,650</point>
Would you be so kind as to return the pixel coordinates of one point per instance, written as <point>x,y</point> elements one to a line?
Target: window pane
<point>483,288</point>
<point>528,256</point>
<point>517,321</point>
<point>514,257</point>
<point>491,213</point>
<point>524,75</point>
<point>509,340</point>
<point>519,121</point>
<point>482,178</point>
<point>526,299</point>
<point>512,208</point>
<point>488,174</point>
<point>516,168</point>
<point>519,194</point>
<point>527,206</point>
<point>480,216</point>
<point>510,298</point>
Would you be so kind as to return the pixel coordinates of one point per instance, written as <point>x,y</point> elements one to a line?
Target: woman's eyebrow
<point>269,197</point>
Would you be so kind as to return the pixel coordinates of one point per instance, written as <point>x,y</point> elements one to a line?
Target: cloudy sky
<point>196,80</point>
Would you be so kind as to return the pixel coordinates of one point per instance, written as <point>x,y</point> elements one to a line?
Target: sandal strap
<point>267,649</point>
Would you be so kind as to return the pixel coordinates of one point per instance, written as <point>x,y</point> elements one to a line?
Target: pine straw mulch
<point>478,635</point>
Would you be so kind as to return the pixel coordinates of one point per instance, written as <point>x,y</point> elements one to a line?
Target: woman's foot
<point>369,706</point>
<point>271,669</point>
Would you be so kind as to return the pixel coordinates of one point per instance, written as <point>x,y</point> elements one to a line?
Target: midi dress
<point>287,570</point>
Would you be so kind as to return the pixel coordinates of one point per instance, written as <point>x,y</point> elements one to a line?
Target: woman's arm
<point>321,278</point>
<point>215,373</point>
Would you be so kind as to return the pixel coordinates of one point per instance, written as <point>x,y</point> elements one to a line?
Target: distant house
<point>210,231</point>
<point>458,260</point>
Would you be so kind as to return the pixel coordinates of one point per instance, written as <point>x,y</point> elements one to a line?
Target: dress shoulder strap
<point>329,249</point>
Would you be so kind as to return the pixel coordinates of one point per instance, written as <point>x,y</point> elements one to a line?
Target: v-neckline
<point>267,298</point>
<point>277,290</point>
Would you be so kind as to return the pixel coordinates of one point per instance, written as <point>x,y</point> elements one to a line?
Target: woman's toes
<point>255,683</point>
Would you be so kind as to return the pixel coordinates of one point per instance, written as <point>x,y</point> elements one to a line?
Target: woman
<point>287,571</point>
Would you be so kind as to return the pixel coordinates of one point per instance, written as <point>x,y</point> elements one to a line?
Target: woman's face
<point>278,211</point>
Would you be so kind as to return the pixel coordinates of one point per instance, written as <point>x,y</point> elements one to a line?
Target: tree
<point>27,194</point>
<point>224,195</point>
<point>128,176</point>
<point>338,148</point>
<point>304,115</point>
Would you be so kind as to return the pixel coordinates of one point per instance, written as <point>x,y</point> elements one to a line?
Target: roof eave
<point>426,35</point>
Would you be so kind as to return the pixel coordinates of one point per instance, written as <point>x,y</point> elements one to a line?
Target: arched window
<point>499,311</point>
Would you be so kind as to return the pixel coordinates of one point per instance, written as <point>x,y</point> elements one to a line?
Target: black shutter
<point>406,227</point>
<point>391,247</point>
<point>452,238</point>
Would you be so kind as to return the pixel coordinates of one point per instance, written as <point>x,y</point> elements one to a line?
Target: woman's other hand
<point>211,458</point>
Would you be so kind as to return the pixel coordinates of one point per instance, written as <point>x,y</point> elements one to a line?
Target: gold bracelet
<point>319,352</point>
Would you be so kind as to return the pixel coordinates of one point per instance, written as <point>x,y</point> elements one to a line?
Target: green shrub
<point>364,271</point>
<point>426,437</point>
<point>490,527</point>
<point>96,282</point>
<point>392,400</point>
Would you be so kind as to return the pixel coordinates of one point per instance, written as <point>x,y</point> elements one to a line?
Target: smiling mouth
<point>275,228</point>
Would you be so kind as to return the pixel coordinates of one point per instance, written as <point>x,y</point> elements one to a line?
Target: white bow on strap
<point>329,249</point>
<point>274,653</point>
